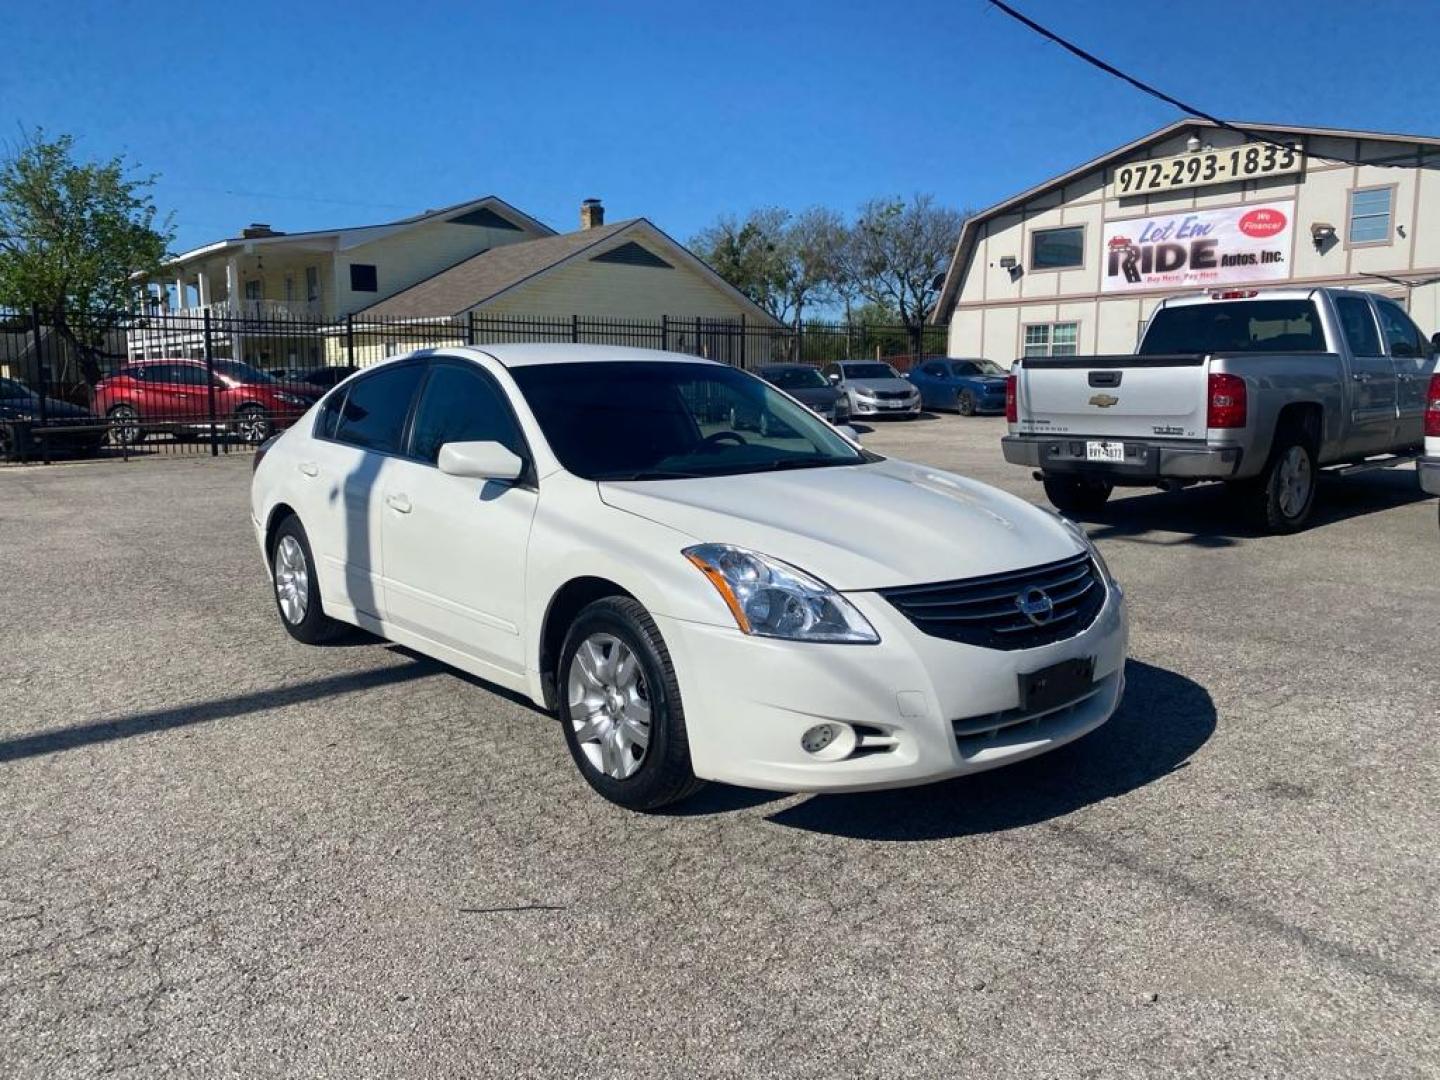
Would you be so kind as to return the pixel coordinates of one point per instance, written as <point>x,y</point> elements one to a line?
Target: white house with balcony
<point>265,291</point>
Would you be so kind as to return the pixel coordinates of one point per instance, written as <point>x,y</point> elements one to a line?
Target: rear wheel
<point>1077,494</point>
<point>1281,498</point>
<point>297,592</point>
<point>125,429</point>
<point>965,403</point>
<point>620,707</point>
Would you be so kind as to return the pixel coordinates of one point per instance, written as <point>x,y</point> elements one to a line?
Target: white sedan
<point>583,525</point>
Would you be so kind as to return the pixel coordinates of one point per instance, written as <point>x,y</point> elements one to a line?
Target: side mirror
<point>1435,341</point>
<point>834,377</point>
<point>480,461</point>
<point>849,432</point>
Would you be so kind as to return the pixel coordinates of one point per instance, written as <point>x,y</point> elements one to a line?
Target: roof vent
<point>256,229</point>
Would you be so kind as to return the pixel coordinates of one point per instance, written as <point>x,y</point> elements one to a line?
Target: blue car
<point>967,386</point>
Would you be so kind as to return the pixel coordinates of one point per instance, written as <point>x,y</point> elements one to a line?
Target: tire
<point>125,429</point>
<point>1280,500</point>
<point>297,597</point>
<point>7,444</point>
<point>1077,494</point>
<point>603,710</point>
<point>253,424</point>
<point>965,403</point>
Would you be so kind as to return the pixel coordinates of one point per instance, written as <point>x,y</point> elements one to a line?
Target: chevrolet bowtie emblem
<point>1104,401</point>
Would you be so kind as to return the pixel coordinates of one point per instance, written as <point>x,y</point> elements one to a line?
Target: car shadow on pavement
<point>1207,516</point>
<point>1162,720</point>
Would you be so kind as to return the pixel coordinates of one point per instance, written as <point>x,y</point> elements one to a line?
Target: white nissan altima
<point>788,611</point>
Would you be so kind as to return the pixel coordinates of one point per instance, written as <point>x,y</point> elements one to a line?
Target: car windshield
<point>668,420</point>
<point>793,378</point>
<point>1235,326</point>
<point>977,367</point>
<point>9,388</point>
<point>870,371</point>
<point>235,371</point>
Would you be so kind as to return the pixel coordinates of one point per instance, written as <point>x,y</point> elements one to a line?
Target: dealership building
<point>1077,264</point>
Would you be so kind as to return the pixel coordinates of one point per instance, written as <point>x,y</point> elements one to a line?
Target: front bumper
<point>1146,461</point>
<point>865,407</point>
<point>923,708</point>
<point>1428,469</point>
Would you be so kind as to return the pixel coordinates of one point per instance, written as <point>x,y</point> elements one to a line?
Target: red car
<point>174,396</point>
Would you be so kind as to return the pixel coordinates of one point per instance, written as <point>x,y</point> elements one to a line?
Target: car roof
<point>530,354</point>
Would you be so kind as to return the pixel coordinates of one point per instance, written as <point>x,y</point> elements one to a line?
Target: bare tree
<point>783,261</point>
<point>897,252</point>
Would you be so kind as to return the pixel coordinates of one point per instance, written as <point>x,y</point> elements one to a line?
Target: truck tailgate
<point>1115,396</point>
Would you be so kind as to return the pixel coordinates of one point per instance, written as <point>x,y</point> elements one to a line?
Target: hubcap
<point>1295,480</point>
<point>126,429</point>
<point>609,706</point>
<point>292,580</point>
<point>254,427</point>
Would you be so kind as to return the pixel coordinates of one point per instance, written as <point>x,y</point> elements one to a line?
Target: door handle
<point>309,468</point>
<point>399,503</point>
<point>1361,376</point>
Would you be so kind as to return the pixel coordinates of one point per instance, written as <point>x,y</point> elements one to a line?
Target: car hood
<point>880,384</point>
<point>990,382</point>
<point>821,396</point>
<point>30,406</point>
<point>857,527</point>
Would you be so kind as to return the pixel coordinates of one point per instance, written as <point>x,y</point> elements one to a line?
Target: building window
<point>392,348</point>
<point>1057,249</point>
<point>1051,339</point>
<point>312,283</point>
<point>255,289</point>
<point>1370,211</point>
<point>363,278</point>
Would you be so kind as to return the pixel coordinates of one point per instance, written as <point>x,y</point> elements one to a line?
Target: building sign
<point>1205,167</point>
<point>1198,248</point>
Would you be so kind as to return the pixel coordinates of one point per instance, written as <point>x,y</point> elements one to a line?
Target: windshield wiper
<point>798,463</point>
<point>652,474</point>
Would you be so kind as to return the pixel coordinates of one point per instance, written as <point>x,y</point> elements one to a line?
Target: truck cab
<point>1258,389</point>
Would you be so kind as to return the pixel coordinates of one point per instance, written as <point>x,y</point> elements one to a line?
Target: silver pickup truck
<point>1257,389</point>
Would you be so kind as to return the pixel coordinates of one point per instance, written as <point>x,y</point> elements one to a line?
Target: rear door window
<point>1358,325</point>
<point>373,416</point>
<point>1401,335</point>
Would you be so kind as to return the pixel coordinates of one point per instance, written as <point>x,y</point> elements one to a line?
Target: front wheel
<point>252,424</point>
<point>620,707</point>
<point>965,403</point>
<point>125,429</point>
<point>1077,494</point>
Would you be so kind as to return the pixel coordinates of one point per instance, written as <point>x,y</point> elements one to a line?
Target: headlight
<point>770,598</point>
<point>1080,534</point>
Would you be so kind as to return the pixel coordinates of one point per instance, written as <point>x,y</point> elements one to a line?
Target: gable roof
<point>350,236</point>
<point>481,278</point>
<point>946,303</point>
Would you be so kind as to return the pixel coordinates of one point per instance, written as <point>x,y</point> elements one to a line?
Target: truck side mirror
<point>1435,341</point>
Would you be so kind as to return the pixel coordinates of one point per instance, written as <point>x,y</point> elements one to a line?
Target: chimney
<point>592,214</point>
<point>256,230</point>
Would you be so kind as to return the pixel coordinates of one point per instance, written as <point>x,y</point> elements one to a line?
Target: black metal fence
<point>218,380</point>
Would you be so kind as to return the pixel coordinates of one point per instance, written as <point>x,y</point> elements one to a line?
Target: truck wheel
<point>1282,497</point>
<point>1077,494</point>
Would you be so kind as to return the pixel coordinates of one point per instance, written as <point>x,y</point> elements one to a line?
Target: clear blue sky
<point>312,115</point>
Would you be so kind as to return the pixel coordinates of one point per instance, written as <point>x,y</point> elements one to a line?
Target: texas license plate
<point>1057,685</point>
<point>1105,451</point>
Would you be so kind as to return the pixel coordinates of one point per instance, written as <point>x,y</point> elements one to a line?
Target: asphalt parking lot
<point>225,854</point>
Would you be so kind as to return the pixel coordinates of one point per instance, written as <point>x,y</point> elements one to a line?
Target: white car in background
<point>583,525</point>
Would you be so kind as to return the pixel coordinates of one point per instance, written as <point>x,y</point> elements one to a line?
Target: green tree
<point>73,235</point>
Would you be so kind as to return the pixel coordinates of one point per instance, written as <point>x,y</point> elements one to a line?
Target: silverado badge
<point>1104,401</point>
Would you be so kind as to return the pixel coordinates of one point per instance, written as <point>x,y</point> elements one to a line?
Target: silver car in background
<point>873,388</point>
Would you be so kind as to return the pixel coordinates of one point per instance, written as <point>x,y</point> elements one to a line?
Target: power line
<point>1146,88</point>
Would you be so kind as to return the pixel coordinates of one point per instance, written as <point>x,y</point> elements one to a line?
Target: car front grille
<point>986,611</point>
<point>892,395</point>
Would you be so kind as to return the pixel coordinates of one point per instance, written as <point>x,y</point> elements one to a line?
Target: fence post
<point>664,333</point>
<point>470,327</point>
<point>743,335</point>
<point>42,379</point>
<point>210,381</point>
<point>350,339</point>
<point>574,329</point>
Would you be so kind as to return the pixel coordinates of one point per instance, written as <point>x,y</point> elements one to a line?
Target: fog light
<point>819,737</point>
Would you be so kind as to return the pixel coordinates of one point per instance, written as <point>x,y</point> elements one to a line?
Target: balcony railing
<point>263,310</point>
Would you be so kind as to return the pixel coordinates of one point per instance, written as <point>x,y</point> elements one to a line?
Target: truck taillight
<point>1227,401</point>
<point>1012,400</point>
<point>1432,408</point>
